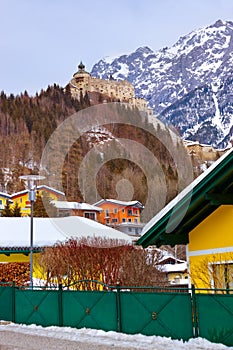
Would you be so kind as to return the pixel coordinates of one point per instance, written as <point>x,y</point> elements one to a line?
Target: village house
<point>15,244</point>
<point>176,270</point>
<point>4,197</point>
<point>23,201</point>
<point>201,217</point>
<point>121,215</point>
<point>84,210</point>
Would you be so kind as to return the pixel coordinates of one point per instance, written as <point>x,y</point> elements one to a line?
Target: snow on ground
<point>72,338</point>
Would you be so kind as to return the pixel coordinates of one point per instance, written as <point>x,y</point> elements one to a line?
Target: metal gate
<point>215,317</point>
<point>37,306</point>
<point>90,309</point>
<point>164,314</point>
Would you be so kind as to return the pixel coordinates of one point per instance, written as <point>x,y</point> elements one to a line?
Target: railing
<point>176,312</point>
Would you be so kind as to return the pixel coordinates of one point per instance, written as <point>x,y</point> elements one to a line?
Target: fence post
<point>194,313</point>
<point>118,306</point>
<point>13,302</point>
<point>60,307</point>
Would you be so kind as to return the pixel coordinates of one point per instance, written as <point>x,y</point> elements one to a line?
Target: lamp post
<point>31,182</point>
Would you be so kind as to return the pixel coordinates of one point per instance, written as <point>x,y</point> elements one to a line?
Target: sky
<point>42,42</point>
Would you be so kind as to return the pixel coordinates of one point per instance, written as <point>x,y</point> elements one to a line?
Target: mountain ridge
<point>200,62</point>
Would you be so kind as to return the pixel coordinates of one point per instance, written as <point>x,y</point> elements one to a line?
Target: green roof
<point>197,201</point>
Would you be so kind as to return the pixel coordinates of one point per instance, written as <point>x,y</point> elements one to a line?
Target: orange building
<point>121,215</point>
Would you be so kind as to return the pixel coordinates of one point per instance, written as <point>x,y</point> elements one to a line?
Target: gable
<point>194,204</point>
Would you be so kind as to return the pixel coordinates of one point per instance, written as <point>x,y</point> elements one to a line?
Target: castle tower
<point>109,89</point>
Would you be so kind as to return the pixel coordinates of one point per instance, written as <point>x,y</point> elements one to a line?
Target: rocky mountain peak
<point>189,85</point>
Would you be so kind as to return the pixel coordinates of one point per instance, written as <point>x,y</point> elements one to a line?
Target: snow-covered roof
<point>4,195</point>
<point>40,187</point>
<point>181,267</point>
<point>123,203</point>
<point>75,205</point>
<point>15,232</point>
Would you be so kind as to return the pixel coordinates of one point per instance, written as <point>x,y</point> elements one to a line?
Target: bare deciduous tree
<point>215,272</point>
<point>107,260</point>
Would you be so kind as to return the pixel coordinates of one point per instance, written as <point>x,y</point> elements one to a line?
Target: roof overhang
<point>202,197</point>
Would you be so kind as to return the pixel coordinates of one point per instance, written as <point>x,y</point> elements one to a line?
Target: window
<point>123,220</point>
<point>129,211</point>
<point>136,221</point>
<point>123,210</point>
<point>136,212</point>
<point>114,220</point>
<point>115,210</point>
<point>107,212</point>
<point>89,216</point>
<point>129,220</point>
<point>222,275</point>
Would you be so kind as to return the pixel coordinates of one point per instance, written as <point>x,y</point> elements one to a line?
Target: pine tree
<point>7,210</point>
<point>43,208</point>
<point>16,210</point>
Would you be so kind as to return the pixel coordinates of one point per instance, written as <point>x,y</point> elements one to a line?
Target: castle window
<point>79,80</point>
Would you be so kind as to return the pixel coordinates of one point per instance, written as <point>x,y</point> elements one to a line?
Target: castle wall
<point>122,91</point>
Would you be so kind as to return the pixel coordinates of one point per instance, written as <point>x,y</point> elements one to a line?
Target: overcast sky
<point>43,41</point>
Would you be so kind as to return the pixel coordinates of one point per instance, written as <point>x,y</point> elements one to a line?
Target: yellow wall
<point>215,231</point>
<point>3,199</point>
<point>23,201</point>
<point>17,257</point>
<point>211,242</point>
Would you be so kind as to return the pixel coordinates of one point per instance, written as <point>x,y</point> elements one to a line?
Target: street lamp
<point>31,182</point>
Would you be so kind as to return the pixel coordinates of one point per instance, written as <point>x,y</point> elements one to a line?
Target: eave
<point>201,198</point>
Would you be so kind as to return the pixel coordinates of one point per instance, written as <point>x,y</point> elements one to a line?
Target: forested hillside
<point>26,124</point>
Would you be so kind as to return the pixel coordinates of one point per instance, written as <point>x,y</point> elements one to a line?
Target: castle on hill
<point>110,90</point>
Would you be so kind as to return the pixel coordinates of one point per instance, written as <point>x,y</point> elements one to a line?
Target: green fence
<point>215,317</point>
<point>175,313</point>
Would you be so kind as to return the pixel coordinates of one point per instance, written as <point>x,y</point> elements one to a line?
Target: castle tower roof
<point>81,70</point>
<point>81,67</point>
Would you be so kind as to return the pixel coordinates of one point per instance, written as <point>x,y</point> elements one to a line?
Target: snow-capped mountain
<point>189,85</point>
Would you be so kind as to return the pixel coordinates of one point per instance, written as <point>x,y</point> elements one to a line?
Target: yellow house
<point>22,197</point>
<point>201,217</point>
<point>175,270</point>
<point>15,242</point>
<point>4,197</point>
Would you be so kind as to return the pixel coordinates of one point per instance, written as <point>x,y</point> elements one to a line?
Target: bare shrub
<point>107,260</point>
